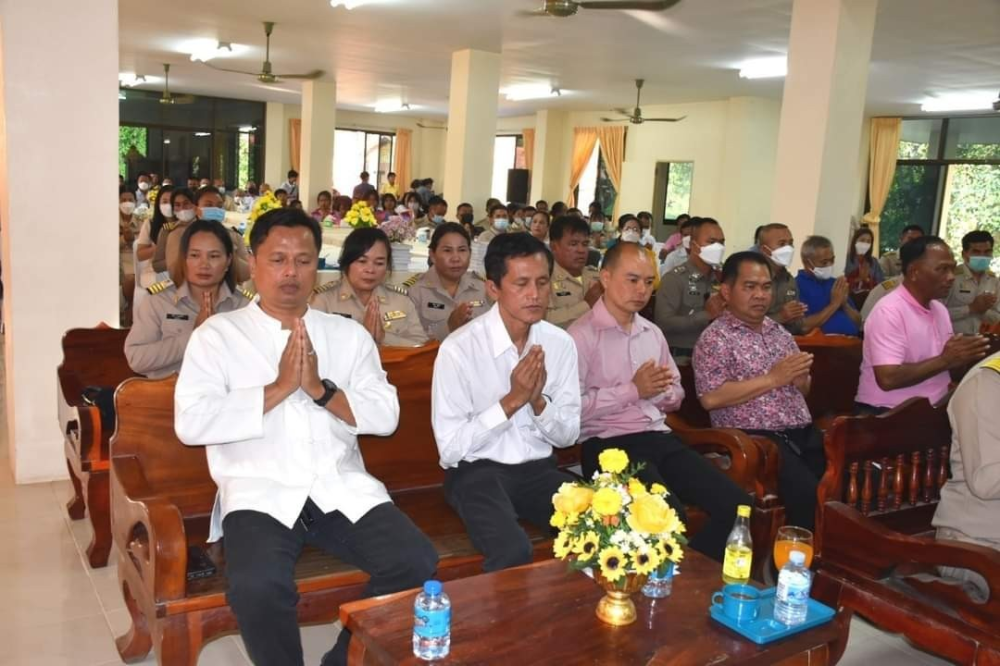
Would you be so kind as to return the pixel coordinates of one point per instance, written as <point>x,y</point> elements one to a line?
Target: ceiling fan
<point>166,97</point>
<point>565,8</point>
<point>635,115</point>
<point>266,75</point>
<point>422,126</point>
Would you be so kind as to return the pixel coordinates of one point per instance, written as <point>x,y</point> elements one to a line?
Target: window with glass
<point>508,153</point>
<point>596,186</point>
<point>355,151</point>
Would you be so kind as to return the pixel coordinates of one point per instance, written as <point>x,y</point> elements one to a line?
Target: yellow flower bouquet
<point>360,216</point>
<point>264,203</point>
<point>614,524</point>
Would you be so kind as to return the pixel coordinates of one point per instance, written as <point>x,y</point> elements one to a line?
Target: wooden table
<point>544,614</point>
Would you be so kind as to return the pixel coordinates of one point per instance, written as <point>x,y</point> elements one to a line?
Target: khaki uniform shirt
<point>970,500</point>
<point>784,289</point>
<point>680,305</point>
<point>399,317</point>
<point>891,264</point>
<point>168,249</point>
<point>487,235</point>
<point>963,292</point>
<point>566,302</point>
<point>876,294</point>
<point>162,325</point>
<point>434,304</point>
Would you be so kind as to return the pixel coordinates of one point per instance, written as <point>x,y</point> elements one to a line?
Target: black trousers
<point>687,475</point>
<point>491,497</point>
<point>864,409</point>
<point>260,562</point>
<point>802,465</point>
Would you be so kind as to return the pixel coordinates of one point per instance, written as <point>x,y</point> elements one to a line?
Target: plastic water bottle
<point>791,601</point>
<point>660,583</point>
<point>432,623</point>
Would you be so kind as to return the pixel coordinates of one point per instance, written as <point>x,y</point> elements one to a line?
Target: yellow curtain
<point>612,141</point>
<point>881,168</point>
<point>402,161</point>
<point>295,139</point>
<point>584,140</point>
<point>529,148</point>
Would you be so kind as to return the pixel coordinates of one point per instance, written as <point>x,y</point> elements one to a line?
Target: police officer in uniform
<point>206,204</point>
<point>688,299</point>
<point>973,297</point>
<point>777,244</point>
<point>363,295</point>
<point>499,223</point>
<point>575,285</point>
<point>448,295</point>
<point>877,293</point>
<point>890,262</point>
<point>201,286</point>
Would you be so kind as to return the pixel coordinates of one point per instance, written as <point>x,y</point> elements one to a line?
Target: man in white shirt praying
<point>505,391</point>
<point>278,393</point>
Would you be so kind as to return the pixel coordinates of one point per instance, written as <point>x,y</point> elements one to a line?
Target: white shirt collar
<point>499,337</point>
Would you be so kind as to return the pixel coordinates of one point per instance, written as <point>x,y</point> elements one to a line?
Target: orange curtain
<point>403,159</point>
<point>529,148</point>
<point>881,169</point>
<point>295,141</point>
<point>613,149</point>
<point>584,140</point>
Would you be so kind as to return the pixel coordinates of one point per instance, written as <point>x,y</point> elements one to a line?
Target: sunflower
<point>607,502</point>
<point>561,546</point>
<point>613,563</point>
<point>669,549</point>
<point>645,560</point>
<point>586,546</point>
<point>613,460</point>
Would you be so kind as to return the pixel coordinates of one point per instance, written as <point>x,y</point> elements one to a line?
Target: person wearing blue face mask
<point>827,299</point>
<point>437,208</point>
<point>208,205</point>
<point>972,300</point>
<point>499,223</point>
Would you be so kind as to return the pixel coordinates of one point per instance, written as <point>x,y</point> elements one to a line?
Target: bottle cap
<point>433,587</point>
<point>743,511</point>
<point>796,557</point>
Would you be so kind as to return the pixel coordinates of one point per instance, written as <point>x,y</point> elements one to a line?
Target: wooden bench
<point>91,357</point>
<point>835,372</point>
<point>876,552</point>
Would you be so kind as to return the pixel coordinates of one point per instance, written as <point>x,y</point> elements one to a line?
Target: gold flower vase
<point>616,607</point>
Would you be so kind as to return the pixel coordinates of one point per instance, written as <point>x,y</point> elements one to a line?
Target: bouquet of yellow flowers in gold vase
<point>620,529</point>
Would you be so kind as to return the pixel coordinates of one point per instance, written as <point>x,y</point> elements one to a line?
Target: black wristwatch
<point>329,390</point>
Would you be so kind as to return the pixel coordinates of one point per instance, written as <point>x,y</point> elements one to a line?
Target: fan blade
<point>315,74</point>
<point>641,5</point>
<point>422,126</point>
<point>664,120</point>
<point>229,71</point>
<point>532,12</point>
<point>623,111</point>
<point>615,120</point>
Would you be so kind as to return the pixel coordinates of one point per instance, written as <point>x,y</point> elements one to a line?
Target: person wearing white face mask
<point>679,255</point>
<point>862,270</point>
<point>777,245</point>
<point>688,299</point>
<point>187,207</point>
<point>143,188</point>
<point>127,228</point>
<point>827,299</point>
<point>630,230</point>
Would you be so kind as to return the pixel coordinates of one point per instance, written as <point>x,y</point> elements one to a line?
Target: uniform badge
<point>435,306</point>
<point>564,293</point>
<point>476,304</point>
<point>393,315</point>
<point>181,317</point>
<point>557,285</point>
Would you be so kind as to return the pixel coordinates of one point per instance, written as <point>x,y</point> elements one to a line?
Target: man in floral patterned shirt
<point>750,375</point>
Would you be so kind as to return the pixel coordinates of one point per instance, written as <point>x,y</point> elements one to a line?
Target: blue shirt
<point>816,295</point>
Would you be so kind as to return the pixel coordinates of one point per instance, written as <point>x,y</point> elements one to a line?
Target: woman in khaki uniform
<point>363,295</point>
<point>448,295</point>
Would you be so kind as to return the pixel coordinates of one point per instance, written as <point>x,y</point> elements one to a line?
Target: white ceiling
<point>401,49</point>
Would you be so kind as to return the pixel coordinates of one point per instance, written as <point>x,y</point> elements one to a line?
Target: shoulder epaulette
<point>479,276</point>
<point>170,226</point>
<point>993,364</point>
<point>248,294</point>
<point>160,287</point>
<point>325,287</point>
<point>399,289</point>
<point>890,284</point>
<point>412,280</point>
<point>680,269</point>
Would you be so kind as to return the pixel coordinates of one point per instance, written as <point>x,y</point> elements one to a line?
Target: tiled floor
<point>56,610</point>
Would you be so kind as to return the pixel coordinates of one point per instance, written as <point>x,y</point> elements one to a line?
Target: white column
<point>547,170</point>
<point>319,121</point>
<point>275,145</point>
<point>472,126</point>
<point>60,266</point>
<point>817,166</point>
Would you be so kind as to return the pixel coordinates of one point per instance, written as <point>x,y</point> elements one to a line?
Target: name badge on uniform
<point>692,290</point>
<point>557,285</point>
<point>182,317</point>
<point>790,292</point>
<point>564,293</point>
<point>393,315</point>
<point>435,306</point>
<point>476,304</point>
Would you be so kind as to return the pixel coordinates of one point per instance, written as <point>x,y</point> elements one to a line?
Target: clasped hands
<point>527,381</point>
<point>299,365</point>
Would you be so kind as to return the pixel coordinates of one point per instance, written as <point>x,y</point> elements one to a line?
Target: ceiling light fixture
<point>764,68</point>
<point>392,106</point>
<point>203,50</point>
<point>525,91</point>
<point>131,79</point>
<point>248,128</point>
<point>971,101</point>
<point>203,134</point>
<point>347,4</point>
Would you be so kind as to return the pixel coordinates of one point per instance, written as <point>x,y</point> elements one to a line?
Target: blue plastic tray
<point>765,629</point>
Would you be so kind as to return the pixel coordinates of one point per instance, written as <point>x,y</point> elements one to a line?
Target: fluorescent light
<point>525,91</point>
<point>121,94</point>
<point>392,106</point>
<point>203,134</point>
<point>978,101</point>
<point>348,4</point>
<point>131,79</point>
<point>203,50</point>
<point>166,141</point>
<point>248,128</point>
<point>764,68</point>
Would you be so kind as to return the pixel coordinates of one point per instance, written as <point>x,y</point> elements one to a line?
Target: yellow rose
<point>607,502</point>
<point>613,460</point>
<point>635,488</point>
<point>572,498</point>
<point>650,514</point>
<point>658,489</point>
<point>558,520</point>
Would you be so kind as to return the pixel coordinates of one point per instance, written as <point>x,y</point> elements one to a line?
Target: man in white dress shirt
<point>505,391</point>
<point>279,392</point>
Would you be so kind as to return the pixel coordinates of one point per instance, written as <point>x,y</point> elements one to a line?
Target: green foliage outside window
<point>131,141</point>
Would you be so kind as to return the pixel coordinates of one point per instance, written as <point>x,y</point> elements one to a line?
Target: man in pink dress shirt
<point>629,381</point>
<point>909,342</point>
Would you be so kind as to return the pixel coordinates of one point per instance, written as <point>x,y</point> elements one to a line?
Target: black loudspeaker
<point>517,186</point>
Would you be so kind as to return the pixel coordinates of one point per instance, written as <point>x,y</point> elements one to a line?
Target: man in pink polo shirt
<point>909,342</point>
<point>628,382</point>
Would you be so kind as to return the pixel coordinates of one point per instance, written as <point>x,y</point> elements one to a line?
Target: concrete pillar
<point>60,267</point>
<point>816,172</point>
<point>276,164</point>
<point>319,121</point>
<point>547,170</point>
<point>472,126</point>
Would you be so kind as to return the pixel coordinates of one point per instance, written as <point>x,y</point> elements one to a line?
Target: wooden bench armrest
<point>149,531</point>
